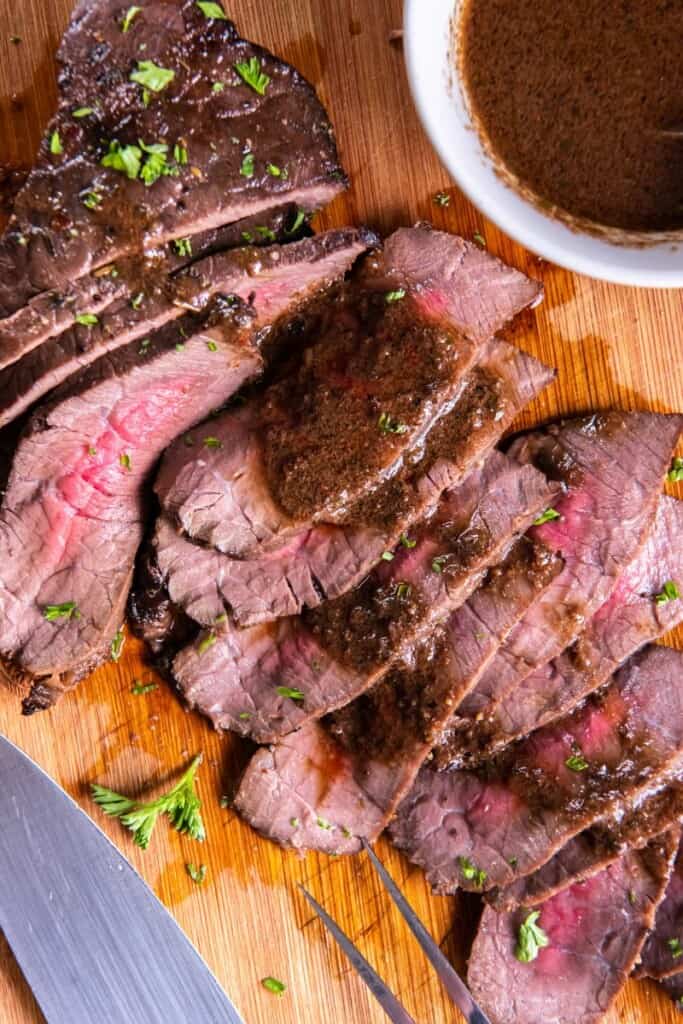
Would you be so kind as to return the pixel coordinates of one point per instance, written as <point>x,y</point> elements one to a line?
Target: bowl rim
<point>572,250</point>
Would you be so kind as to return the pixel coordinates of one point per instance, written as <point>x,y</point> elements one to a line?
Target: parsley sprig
<point>530,939</point>
<point>181,805</point>
<point>251,73</point>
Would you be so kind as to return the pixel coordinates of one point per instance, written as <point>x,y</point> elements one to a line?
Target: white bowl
<point>442,107</point>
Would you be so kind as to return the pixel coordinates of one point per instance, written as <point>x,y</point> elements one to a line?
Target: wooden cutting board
<point>612,346</point>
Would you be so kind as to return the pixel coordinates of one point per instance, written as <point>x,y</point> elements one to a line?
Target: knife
<point>91,938</point>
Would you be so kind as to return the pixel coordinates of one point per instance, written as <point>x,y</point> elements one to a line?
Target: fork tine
<point>451,980</point>
<point>384,996</point>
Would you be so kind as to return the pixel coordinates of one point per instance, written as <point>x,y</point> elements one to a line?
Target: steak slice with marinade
<point>613,464</point>
<point>663,950</point>
<point>595,932</point>
<point>325,561</point>
<point>267,680</point>
<point>229,150</point>
<point>352,770</point>
<point>384,362</point>
<point>479,830</point>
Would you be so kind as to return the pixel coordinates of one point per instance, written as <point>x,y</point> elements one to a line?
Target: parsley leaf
<point>67,610</point>
<point>124,459</point>
<point>139,689</point>
<point>123,158</point>
<point>277,172</point>
<point>675,474</point>
<point>438,563</point>
<point>278,988</point>
<point>212,10</point>
<point>181,804</point>
<point>247,168</point>
<point>82,112</point>
<point>298,223</point>
<point>151,76</point>
<point>56,144</point>
<point>116,645</point>
<point>388,425</point>
<point>87,319</point>
<point>471,872</point>
<point>442,199</point>
<point>395,296</point>
<point>155,162</point>
<point>287,691</point>
<point>548,516</point>
<point>217,87</point>
<point>479,239</point>
<point>93,200</point>
<point>250,72</point>
<point>180,154</point>
<point>670,592</point>
<point>130,15</point>
<point>212,442</point>
<point>530,939</point>
<point>387,556</point>
<point>576,762</point>
<point>183,246</point>
<point>197,874</point>
<point>407,542</point>
<point>208,641</point>
<point>403,590</point>
<point>676,948</point>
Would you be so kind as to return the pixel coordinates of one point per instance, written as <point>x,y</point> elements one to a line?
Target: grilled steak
<point>674,989</point>
<point>316,261</point>
<point>513,815</point>
<point>71,519</point>
<point>596,848</point>
<point>327,560</point>
<point>630,618</point>
<point>613,464</point>
<point>267,680</point>
<point>228,153</point>
<point>663,950</point>
<point>595,932</point>
<point>366,756</point>
<point>386,359</point>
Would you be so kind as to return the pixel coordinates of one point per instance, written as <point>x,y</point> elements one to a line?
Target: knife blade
<point>91,938</point>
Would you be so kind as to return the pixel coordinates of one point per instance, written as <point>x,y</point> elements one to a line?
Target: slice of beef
<point>377,743</point>
<point>265,681</point>
<point>663,950</point>
<point>384,362</point>
<point>596,848</point>
<point>72,515</point>
<point>513,815</point>
<point>327,560</point>
<point>222,144</point>
<point>613,464</point>
<point>595,932</point>
<point>630,618</point>
<point>674,989</point>
<point>315,261</point>
<point>129,280</point>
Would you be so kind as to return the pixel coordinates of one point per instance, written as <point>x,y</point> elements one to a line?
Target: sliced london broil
<point>613,464</point>
<point>479,830</point>
<point>386,357</point>
<point>72,514</point>
<point>637,612</point>
<point>190,128</point>
<point>302,267</point>
<point>325,561</point>
<point>568,961</point>
<point>267,680</point>
<point>663,950</point>
<point>363,759</point>
<point>596,848</point>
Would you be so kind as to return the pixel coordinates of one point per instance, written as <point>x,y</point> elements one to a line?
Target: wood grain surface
<point>611,345</point>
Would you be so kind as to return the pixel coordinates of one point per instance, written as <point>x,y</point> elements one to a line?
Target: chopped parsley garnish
<point>299,221</point>
<point>87,319</point>
<point>250,72</point>
<point>324,824</point>
<point>66,610</point>
<point>212,10</point>
<point>278,988</point>
<point>56,144</point>
<point>217,87</point>
<point>208,641</point>
<point>548,516</point>
<point>136,301</point>
<point>129,160</point>
<point>130,15</point>
<point>150,76</point>
<point>479,239</point>
<point>294,822</point>
<point>139,689</point>
<point>287,691</point>
<point>212,346</point>
<point>247,167</point>
<point>403,590</point>
<point>669,592</point>
<point>82,112</point>
<point>442,199</point>
<point>144,346</point>
<point>92,451</point>
<point>576,762</point>
<point>180,153</point>
<point>438,563</point>
<point>244,716</point>
<point>277,172</point>
<point>265,232</point>
<point>181,804</point>
<point>116,645</point>
<point>387,556</point>
<point>223,617</point>
<point>676,948</point>
<point>212,442</point>
<point>388,425</point>
<point>183,246</point>
<point>471,872</point>
<point>126,159</point>
<point>197,874</point>
<point>407,542</point>
<point>347,833</point>
<point>675,474</point>
<point>395,296</point>
<point>93,200</point>
<point>247,237</point>
<point>124,459</point>
<point>530,939</point>
<point>155,163</point>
